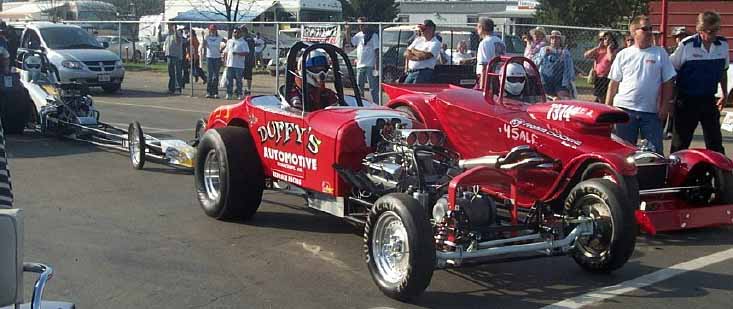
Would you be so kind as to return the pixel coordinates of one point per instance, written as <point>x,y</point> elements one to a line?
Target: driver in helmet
<point>316,68</point>
<point>516,78</point>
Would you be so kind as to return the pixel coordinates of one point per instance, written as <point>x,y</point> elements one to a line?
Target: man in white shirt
<point>422,55</point>
<point>637,75</point>
<point>235,55</point>
<point>259,47</point>
<point>212,51</point>
<point>367,57</point>
<point>489,47</point>
<point>701,61</point>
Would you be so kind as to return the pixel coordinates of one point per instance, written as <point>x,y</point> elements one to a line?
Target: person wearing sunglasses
<point>641,84</point>
<point>602,56</point>
<point>702,60</point>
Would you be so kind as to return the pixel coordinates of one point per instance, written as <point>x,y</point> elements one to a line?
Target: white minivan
<point>75,55</point>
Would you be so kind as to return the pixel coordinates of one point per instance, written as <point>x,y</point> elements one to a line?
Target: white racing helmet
<point>316,67</point>
<point>516,77</point>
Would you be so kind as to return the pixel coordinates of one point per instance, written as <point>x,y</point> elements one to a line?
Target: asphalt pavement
<point>122,238</point>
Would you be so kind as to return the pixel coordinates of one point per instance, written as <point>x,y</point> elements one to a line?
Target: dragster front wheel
<point>398,245</point>
<point>614,227</point>
<point>136,145</point>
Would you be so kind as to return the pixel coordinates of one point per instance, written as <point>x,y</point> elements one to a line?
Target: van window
<point>69,38</point>
<point>31,40</point>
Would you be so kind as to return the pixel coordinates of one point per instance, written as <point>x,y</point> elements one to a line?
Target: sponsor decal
<point>326,187</point>
<point>287,178</point>
<point>289,160</point>
<point>282,132</point>
<point>565,140</point>
<point>563,112</point>
<point>518,134</point>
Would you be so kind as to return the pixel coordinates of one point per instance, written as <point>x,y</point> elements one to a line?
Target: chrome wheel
<point>391,251</point>
<point>212,175</point>
<point>134,147</point>
<point>598,244</point>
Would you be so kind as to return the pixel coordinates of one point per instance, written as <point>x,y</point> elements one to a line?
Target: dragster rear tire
<point>229,177</point>
<point>136,145</point>
<point>612,245</point>
<point>413,232</point>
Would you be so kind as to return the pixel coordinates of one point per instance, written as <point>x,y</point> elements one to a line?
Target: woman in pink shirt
<point>602,56</point>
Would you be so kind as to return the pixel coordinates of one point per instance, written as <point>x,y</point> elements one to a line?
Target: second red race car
<point>688,189</point>
<point>421,206</point>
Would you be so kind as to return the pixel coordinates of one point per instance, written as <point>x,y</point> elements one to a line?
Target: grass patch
<point>142,67</point>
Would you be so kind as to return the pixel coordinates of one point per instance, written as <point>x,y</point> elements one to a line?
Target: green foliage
<point>589,13</point>
<point>373,10</point>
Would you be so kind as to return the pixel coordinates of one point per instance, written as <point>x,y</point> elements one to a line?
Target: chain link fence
<point>139,44</point>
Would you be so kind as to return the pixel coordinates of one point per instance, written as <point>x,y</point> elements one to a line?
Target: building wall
<point>684,13</point>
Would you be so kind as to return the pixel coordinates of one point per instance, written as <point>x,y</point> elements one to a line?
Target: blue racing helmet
<point>316,58</point>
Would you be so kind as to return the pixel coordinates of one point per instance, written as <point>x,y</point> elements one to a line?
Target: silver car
<point>117,44</point>
<point>74,54</point>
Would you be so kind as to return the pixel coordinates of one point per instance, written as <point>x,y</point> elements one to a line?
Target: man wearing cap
<point>701,60</point>
<point>422,55</point>
<point>490,46</point>
<point>212,51</point>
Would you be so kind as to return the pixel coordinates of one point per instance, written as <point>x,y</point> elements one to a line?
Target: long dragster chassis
<point>140,146</point>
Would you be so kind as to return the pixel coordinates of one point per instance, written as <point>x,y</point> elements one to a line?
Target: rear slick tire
<point>398,246</point>
<point>615,231</point>
<point>229,178</point>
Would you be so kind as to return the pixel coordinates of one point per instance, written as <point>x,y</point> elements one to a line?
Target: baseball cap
<point>426,23</point>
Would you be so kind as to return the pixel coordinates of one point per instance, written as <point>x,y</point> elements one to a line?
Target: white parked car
<point>75,55</point>
<point>117,44</point>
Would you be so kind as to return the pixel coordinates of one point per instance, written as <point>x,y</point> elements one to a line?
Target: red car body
<point>577,134</point>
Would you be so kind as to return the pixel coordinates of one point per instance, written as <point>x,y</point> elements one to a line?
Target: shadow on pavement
<point>32,144</point>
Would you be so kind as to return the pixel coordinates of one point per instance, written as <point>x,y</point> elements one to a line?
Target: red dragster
<point>689,189</point>
<point>422,207</point>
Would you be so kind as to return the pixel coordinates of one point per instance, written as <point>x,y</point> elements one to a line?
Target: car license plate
<point>104,77</point>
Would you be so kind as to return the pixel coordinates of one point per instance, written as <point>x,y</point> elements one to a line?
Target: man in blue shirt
<point>701,60</point>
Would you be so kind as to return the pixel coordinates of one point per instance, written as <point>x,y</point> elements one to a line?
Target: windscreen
<point>69,38</point>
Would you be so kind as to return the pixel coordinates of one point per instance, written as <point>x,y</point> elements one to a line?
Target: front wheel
<point>136,145</point>
<point>398,243</point>
<point>229,178</point>
<point>614,226</point>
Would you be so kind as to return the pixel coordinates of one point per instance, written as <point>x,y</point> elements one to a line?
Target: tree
<point>589,13</point>
<point>373,10</point>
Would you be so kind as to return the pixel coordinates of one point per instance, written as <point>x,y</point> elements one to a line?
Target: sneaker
<point>209,96</point>
<point>229,97</point>
<point>216,96</point>
<point>240,97</point>
<point>247,92</point>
